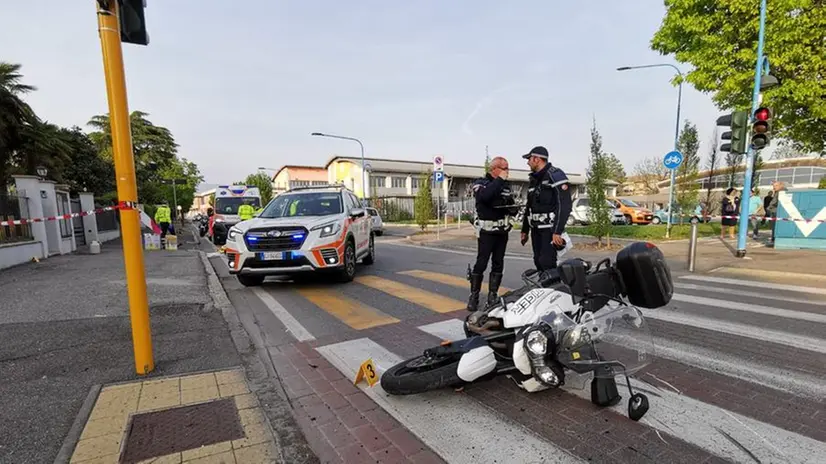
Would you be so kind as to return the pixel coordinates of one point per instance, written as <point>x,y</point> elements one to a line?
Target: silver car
<point>378,224</point>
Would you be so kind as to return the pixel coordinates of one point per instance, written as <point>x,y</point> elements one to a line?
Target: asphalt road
<point>737,370</point>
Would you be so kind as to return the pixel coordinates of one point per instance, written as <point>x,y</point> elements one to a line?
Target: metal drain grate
<point>174,430</point>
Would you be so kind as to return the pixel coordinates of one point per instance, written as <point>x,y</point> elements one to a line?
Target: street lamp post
<point>676,134</point>
<point>365,192</point>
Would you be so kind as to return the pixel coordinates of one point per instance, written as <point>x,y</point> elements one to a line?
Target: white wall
<point>108,235</point>
<point>12,254</point>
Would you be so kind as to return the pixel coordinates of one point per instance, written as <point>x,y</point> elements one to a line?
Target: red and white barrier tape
<point>767,218</point>
<point>124,205</point>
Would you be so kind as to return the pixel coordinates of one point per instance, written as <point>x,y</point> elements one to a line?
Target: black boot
<point>493,287</point>
<point>475,288</point>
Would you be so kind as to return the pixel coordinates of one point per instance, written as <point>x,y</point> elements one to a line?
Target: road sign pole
<point>109,30</point>
<point>670,203</point>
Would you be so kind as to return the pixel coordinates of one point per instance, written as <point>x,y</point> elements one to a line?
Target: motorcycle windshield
<point>613,341</point>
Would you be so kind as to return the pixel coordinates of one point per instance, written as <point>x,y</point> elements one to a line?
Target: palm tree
<point>15,116</point>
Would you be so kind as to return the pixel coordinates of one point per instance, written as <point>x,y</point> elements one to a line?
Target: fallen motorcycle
<point>579,318</point>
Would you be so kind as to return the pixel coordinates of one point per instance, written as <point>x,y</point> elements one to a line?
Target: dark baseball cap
<point>540,152</point>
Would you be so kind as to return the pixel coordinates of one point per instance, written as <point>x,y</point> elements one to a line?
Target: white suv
<point>320,228</point>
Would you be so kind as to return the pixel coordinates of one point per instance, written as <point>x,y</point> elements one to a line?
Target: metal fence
<point>106,220</point>
<point>14,207</point>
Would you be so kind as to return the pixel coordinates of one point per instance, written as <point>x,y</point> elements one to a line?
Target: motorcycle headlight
<point>233,232</point>
<point>547,376</point>
<point>327,230</point>
<point>537,343</point>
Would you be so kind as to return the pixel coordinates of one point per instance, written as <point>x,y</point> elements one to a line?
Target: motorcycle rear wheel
<point>421,374</point>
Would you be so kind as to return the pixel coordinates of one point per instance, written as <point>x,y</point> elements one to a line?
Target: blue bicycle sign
<point>673,159</point>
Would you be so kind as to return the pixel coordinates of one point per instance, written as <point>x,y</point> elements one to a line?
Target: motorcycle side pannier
<point>645,275</point>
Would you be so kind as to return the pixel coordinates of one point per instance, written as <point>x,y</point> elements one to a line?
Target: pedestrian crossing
<point>733,354</point>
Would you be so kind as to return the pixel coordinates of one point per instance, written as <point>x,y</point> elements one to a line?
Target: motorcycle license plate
<point>271,256</point>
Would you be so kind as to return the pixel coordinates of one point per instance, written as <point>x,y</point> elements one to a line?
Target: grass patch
<point>651,232</point>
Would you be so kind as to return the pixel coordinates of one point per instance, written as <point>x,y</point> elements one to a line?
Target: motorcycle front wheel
<point>421,374</point>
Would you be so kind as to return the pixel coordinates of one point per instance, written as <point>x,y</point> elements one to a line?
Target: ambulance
<point>227,200</point>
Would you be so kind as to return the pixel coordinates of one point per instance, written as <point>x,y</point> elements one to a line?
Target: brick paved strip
<point>779,408</point>
<point>341,424</point>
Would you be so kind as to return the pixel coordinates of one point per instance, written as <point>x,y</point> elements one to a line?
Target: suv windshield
<point>304,204</point>
<point>229,205</point>
<point>629,203</point>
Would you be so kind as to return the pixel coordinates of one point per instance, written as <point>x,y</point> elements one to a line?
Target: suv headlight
<point>327,230</point>
<point>233,232</point>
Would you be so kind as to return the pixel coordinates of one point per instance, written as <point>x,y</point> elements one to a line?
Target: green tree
<point>155,152</point>
<point>599,213</point>
<point>733,161</point>
<point>423,204</point>
<point>822,183</point>
<point>15,116</point>
<point>687,189</point>
<point>712,164</point>
<point>264,184</point>
<point>88,171</point>
<point>487,160</point>
<point>719,40</point>
<point>184,192</point>
<point>616,171</point>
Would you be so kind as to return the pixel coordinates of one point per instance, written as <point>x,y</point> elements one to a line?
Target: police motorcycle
<point>579,318</point>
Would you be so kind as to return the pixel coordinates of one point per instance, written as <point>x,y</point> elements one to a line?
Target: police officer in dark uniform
<point>494,208</point>
<point>547,209</point>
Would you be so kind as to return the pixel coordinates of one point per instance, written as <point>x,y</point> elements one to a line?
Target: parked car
<point>378,224</point>
<point>581,209</point>
<point>634,213</point>
<point>661,216</point>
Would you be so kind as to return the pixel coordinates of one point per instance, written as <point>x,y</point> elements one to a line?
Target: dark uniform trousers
<point>544,252</point>
<point>491,246</point>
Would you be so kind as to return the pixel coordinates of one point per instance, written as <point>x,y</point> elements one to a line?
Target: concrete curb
<point>262,377</point>
<point>69,443</point>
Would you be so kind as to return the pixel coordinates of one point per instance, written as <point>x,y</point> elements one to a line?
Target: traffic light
<point>760,128</point>
<point>133,22</point>
<point>738,121</point>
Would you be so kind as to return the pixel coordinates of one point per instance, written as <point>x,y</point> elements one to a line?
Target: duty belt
<point>542,220</point>
<point>493,225</point>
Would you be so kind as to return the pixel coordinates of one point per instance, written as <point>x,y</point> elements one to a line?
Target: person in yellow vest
<point>163,216</point>
<point>246,212</point>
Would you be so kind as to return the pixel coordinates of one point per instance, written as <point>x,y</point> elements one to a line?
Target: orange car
<point>634,213</point>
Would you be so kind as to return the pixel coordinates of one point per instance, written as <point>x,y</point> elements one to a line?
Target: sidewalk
<point>69,388</point>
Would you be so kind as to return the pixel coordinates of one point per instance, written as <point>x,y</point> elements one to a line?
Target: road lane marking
<point>347,310</point>
<point>293,326</point>
<point>770,274</point>
<point>733,328</point>
<point>455,252</point>
<point>752,283</point>
<point>494,438</point>
<point>445,279</point>
<point>431,301</point>
<point>734,292</point>
<point>696,422</point>
<point>751,308</point>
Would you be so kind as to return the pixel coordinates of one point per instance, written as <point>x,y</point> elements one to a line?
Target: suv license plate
<point>271,256</point>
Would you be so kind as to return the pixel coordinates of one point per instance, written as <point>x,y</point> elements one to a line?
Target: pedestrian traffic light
<point>133,22</point>
<point>738,121</point>
<point>760,127</point>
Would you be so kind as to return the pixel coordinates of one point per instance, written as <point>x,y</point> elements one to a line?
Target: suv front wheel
<point>348,268</point>
<point>370,258</point>
<point>250,280</point>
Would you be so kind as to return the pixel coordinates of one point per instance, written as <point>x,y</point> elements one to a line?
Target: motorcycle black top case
<point>645,275</point>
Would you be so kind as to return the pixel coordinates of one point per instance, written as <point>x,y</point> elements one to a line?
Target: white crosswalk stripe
<point>760,334</point>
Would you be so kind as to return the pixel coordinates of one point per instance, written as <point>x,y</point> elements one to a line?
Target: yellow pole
<point>109,29</point>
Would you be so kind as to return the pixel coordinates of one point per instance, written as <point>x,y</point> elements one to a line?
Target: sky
<point>243,84</point>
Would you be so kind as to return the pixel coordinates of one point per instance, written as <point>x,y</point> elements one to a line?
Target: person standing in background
<point>731,205</point>
<point>756,211</point>
<point>163,216</point>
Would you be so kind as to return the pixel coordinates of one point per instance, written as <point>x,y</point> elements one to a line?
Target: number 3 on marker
<point>367,371</point>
